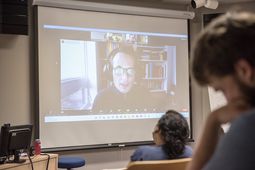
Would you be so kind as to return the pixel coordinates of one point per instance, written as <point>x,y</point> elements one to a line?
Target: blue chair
<point>69,162</point>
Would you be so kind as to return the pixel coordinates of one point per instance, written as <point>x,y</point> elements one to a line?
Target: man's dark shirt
<point>236,149</point>
<point>111,99</point>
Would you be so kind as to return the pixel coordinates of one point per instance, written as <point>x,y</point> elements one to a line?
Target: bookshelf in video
<point>154,63</point>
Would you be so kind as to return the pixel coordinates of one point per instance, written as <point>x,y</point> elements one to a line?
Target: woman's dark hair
<point>225,41</point>
<point>175,131</point>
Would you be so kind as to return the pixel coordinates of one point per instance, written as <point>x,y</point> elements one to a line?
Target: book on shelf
<point>153,70</point>
<point>157,85</point>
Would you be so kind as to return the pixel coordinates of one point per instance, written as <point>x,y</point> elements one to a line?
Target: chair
<point>175,164</point>
<point>69,162</point>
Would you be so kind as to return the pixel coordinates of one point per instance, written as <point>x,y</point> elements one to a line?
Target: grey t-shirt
<point>236,149</point>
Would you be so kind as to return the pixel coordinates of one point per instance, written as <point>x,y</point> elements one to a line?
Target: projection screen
<point>74,69</point>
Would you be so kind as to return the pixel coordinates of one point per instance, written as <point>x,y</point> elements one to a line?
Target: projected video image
<point>117,72</point>
<point>105,78</point>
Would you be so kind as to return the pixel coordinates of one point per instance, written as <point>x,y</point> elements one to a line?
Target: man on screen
<point>224,58</point>
<point>124,93</point>
<point>123,71</point>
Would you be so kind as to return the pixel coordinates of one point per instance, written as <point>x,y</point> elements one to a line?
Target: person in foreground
<point>170,136</point>
<point>224,58</point>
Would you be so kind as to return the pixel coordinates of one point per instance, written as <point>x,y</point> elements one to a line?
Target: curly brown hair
<point>175,132</point>
<point>225,41</point>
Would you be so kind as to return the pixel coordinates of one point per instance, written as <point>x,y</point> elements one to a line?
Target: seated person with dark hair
<point>170,137</point>
<point>124,92</point>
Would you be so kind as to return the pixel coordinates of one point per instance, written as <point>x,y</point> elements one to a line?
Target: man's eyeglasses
<point>119,71</point>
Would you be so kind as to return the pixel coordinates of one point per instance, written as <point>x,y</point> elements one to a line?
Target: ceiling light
<point>197,3</point>
<point>212,4</point>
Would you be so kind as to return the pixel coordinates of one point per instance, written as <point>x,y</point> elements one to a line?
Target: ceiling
<point>180,2</point>
<point>220,1</point>
<point>176,4</point>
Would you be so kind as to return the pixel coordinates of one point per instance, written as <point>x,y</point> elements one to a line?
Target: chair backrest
<point>175,164</point>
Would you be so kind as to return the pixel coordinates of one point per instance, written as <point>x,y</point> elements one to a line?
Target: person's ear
<point>245,71</point>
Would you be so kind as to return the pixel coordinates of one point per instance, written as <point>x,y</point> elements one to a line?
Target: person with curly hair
<point>170,137</point>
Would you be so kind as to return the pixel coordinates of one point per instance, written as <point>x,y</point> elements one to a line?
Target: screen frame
<point>98,146</point>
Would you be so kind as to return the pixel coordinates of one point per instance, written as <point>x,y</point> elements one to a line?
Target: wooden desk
<point>39,163</point>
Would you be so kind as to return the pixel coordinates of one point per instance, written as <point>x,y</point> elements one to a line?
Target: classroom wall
<point>200,96</point>
<point>17,77</point>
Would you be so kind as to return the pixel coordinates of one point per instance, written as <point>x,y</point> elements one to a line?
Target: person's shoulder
<point>188,148</point>
<point>140,89</point>
<point>138,154</point>
<point>108,90</point>
<point>241,129</point>
<point>101,100</point>
<point>244,122</point>
<point>237,146</point>
<point>148,148</point>
<point>187,153</point>
<point>249,115</point>
<point>105,93</point>
<point>148,153</point>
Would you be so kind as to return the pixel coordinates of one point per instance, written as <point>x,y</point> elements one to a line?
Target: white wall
<point>14,79</point>
<point>17,94</point>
